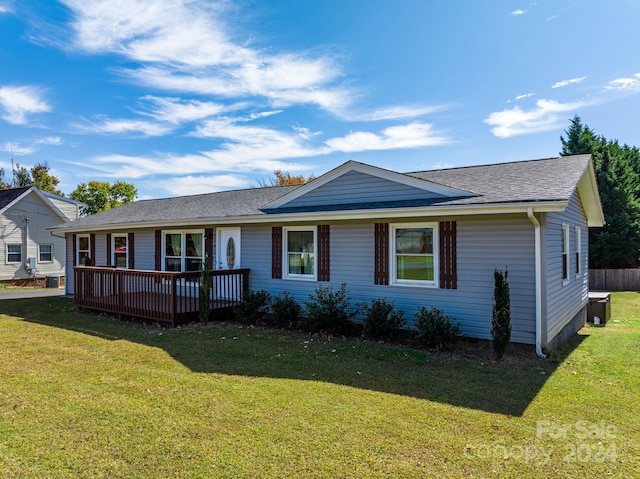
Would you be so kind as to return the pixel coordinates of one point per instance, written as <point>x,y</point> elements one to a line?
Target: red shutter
<point>324,253</point>
<point>158,256</point>
<point>92,248</point>
<point>276,252</point>
<point>130,251</point>
<point>208,247</point>
<point>109,255</point>
<point>74,247</point>
<point>448,255</point>
<point>381,254</point>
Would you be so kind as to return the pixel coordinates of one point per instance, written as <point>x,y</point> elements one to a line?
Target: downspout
<point>538,268</point>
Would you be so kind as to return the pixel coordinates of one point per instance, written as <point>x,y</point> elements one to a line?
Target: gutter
<point>538,267</point>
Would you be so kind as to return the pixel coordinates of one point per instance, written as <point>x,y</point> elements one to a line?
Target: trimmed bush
<point>254,307</point>
<point>330,312</point>
<point>435,329</point>
<point>286,311</point>
<point>501,320</point>
<point>381,320</point>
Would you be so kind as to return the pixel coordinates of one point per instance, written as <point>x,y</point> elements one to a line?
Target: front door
<point>228,248</point>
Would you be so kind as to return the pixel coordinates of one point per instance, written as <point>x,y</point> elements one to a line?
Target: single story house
<point>427,238</point>
<point>30,250</point>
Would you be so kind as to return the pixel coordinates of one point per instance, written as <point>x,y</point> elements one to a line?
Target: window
<point>83,252</point>
<point>414,253</point>
<point>578,239</point>
<point>183,250</point>
<point>565,253</point>
<point>45,253</point>
<point>300,253</point>
<point>119,249</point>
<point>14,253</point>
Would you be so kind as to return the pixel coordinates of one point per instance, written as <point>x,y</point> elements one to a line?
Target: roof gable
<point>358,183</point>
<point>11,197</point>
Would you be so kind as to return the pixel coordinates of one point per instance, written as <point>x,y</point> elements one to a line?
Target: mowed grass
<point>89,396</point>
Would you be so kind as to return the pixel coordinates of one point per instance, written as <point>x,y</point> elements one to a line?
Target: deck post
<point>174,300</point>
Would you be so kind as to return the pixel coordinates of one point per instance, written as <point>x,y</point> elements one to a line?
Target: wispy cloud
<point>193,185</point>
<point>17,102</point>
<point>17,149</point>
<point>413,135</point>
<point>571,81</point>
<point>49,140</point>
<point>625,84</point>
<point>547,115</point>
<point>400,112</point>
<point>124,126</point>
<point>525,95</point>
<point>519,12</point>
<point>178,111</point>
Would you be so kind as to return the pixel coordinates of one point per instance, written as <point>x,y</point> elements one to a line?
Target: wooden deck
<point>157,295</point>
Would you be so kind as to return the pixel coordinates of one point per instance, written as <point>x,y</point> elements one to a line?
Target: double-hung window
<point>83,250</point>
<point>300,246</point>
<point>45,253</point>
<point>119,251</point>
<point>578,240</point>
<point>14,253</point>
<point>183,250</point>
<point>565,253</point>
<point>414,253</point>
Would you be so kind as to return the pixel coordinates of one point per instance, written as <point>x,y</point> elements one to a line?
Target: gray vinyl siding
<point>67,208</point>
<point>483,246</point>
<point>14,231</point>
<point>357,187</point>
<point>564,301</point>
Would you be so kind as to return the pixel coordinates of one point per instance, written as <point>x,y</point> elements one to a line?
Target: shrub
<point>204,300</point>
<point>381,320</point>
<point>330,312</point>
<point>501,320</point>
<point>435,329</point>
<point>286,311</point>
<point>253,307</point>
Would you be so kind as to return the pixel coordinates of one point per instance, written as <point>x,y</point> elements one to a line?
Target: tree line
<point>96,195</point>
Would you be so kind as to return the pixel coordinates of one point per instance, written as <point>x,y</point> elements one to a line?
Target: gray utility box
<point>52,281</point>
<point>600,306</point>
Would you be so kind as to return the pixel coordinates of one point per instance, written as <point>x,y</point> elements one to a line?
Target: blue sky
<point>185,97</point>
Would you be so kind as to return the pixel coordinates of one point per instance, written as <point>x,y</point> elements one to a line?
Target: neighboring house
<point>29,250</point>
<point>430,238</point>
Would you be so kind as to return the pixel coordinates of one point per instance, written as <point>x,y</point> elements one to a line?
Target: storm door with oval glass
<point>228,257</point>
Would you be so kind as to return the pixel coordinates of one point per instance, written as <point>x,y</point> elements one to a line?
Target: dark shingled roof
<point>552,179</point>
<point>7,196</point>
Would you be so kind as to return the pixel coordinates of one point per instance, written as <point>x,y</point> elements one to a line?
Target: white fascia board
<point>17,200</point>
<point>349,166</point>
<point>319,216</point>
<point>590,196</point>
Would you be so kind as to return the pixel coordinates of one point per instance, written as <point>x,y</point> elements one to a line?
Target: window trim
<point>113,250</point>
<point>578,251</point>
<point>285,253</point>
<point>40,260</point>
<point>183,238</point>
<point>78,250</point>
<point>565,253</point>
<point>393,267</point>
<point>13,253</point>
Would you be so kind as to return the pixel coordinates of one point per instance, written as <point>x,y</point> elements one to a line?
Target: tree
<point>617,244</point>
<point>501,320</point>
<point>38,176</point>
<point>283,178</point>
<point>101,195</point>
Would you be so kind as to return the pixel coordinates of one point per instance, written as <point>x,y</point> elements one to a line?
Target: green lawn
<point>93,397</point>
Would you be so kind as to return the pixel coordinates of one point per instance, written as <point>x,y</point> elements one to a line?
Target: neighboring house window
<point>565,253</point>
<point>45,253</point>
<point>183,250</point>
<point>414,253</point>
<point>578,239</point>
<point>14,253</point>
<point>300,253</point>
<point>119,248</point>
<point>83,251</point>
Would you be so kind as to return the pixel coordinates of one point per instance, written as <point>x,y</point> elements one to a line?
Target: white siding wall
<point>565,299</point>
<point>13,229</point>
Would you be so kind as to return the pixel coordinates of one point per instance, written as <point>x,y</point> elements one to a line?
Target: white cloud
<point>547,115</point>
<point>49,140</point>
<point>104,125</point>
<point>526,95</point>
<point>17,149</point>
<point>571,81</point>
<point>625,84</point>
<point>398,112</point>
<point>194,185</point>
<point>519,12</point>
<point>413,135</point>
<point>177,111</point>
<point>17,102</point>
<point>305,133</point>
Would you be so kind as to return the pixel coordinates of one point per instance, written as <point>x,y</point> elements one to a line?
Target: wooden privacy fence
<point>157,295</point>
<point>614,279</point>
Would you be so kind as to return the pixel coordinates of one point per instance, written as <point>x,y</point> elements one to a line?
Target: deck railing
<point>157,295</point>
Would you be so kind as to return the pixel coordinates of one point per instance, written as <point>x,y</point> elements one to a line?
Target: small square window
<point>45,253</point>
<point>414,254</point>
<point>14,253</point>
<point>300,253</point>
